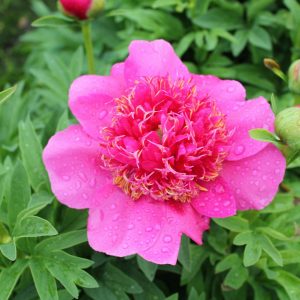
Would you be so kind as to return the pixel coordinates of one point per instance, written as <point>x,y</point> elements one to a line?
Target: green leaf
<point>76,64</point>
<point>115,277</point>
<point>219,18</point>
<point>38,202</point>
<point>259,37</point>
<point>172,297</point>
<point>19,195</point>
<point>9,250</point>
<point>252,254</point>
<point>31,151</point>
<point>264,136</point>
<point>241,38</point>
<point>9,278</point>
<point>236,277</point>
<point>184,43</point>
<point>290,256</point>
<point>4,95</point>
<point>33,226</point>
<point>4,235</point>
<point>62,241</point>
<point>273,233</point>
<point>290,283</point>
<point>281,203</point>
<point>235,224</point>
<point>53,21</point>
<point>148,268</point>
<point>228,262</point>
<point>44,282</point>
<point>63,121</point>
<point>243,238</point>
<point>267,245</point>
<point>184,252</point>
<point>193,295</point>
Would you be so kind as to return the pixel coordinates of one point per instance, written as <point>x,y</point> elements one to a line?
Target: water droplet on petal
<point>230,89</point>
<point>254,172</point>
<point>130,226</point>
<point>85,196</point>
<point>165,250</point>
<point>239,149</point>
<point>125,246</point>
<point>219,188</point>
<point>116,217</point>
<point>113,206</point>
<point>237,191</point>
<point>167,238</point>
<point>226,203</point>
<point>66,178</point>
<point>103,114</point>
<point>148,229</point>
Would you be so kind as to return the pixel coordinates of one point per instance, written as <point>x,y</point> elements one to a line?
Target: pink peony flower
<point>81,9</point>
<point>158,151</point>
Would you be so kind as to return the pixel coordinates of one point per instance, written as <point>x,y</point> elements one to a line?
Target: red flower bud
<point>81,9</point>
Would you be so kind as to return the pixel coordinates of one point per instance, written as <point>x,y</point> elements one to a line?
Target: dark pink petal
<point>217,202</point>
<point>226,93</point>
<point>72,161</point>
<point>155,58</point>
<point>254,180</point>
<point>91,100</point>
<point>121,226</point>
<point>244,116</point>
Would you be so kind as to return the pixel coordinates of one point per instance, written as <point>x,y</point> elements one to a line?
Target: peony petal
<point>91,100</point>
<point>226,93</point>
<point>217,202</point>
<point>121,226</point>
<point>244,116</point>
<point>180,218</point>
<point>152,229</point>
<point>72,161</point>
<point>254,180</point>
<point>155,58</point>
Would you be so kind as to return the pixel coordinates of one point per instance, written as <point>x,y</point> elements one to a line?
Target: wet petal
<point>226,93</point>
<point>91,100</point>
<point>251,114</point>
<point>121,226</point>
<point>255,180</point>
<point>72,161</point>
<point>155,58</point>
<point>217,202</point>
<point>179,218</point>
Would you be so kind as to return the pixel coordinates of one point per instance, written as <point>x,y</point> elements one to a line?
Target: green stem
<point>87,36</point>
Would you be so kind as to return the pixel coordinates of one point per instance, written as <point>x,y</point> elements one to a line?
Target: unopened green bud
<point>287,126</point>
<point>294,77</point>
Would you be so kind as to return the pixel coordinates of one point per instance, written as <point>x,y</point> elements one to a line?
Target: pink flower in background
<point>158,151</point>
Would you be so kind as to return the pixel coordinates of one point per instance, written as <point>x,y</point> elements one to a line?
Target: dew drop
<point>167,238</point>
<point>103,114</point>
<point>165,250</point>
<point>149,229</point>
<point>238,191</point>
<point>277,171</point>
<point>226,203</point>
<point>77,185</point>
<point>113,206</point>
<point>239,149</point>
<point>125,246</point>
<point>230,89</point>
<point>85,196</point>
<point>254,172</point>
<point>219,188</point>
<point>66,178</point>
<point>116,217</point>
<point>130,226</point>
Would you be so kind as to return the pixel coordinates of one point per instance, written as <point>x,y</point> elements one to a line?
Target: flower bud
<point>287,126</point>
<point>294,77</point>
<point>81,9</point>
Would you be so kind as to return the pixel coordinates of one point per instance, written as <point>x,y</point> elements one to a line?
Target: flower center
<point>165,140</point>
